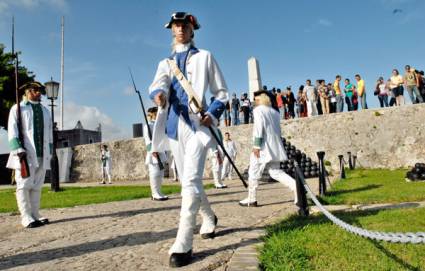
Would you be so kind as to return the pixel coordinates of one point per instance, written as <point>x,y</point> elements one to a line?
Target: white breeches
<point>227,168</point>
<point>28,194</point>
<point>106,173</point>
<point>189,156</point>
<point>311,108</point>
<point>216,169</point>
<point>255,172</point>
<point>155,178</point>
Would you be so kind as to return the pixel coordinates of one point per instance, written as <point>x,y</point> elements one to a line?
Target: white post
<point>254,77</point>
<point>62,68</point>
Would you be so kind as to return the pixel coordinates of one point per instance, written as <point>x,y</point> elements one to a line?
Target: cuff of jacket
<point>216,109</point>
<point>14,144</point>
<point>155,92</point>
<point>258,141</point>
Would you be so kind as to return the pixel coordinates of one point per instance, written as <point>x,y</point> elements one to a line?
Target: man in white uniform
<point>37,148</point>
<point>185,130</point>
<point>268,149</point>
<point>216,158</point>
<point>156,175</point>
<point>105,158</point>
<point>230,147</point>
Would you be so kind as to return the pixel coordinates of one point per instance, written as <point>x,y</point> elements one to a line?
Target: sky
<point>293,41</point>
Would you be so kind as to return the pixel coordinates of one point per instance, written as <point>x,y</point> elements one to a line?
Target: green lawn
<point>73,196</point>
<point>375,186</point>
<point>314,243</point>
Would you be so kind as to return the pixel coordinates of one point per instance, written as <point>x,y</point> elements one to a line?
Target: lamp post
<point>52,89</point>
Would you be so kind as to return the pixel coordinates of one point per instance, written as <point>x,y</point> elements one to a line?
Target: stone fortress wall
<point>381,138</point>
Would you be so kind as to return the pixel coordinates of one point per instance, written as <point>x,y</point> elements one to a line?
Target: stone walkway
<point>136,234</point>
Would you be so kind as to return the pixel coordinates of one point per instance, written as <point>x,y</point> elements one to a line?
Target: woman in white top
<point>396,86</point>
<point>381,92</point>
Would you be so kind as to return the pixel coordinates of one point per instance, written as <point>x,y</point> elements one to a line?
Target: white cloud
<point>128,91</point>
<point>90,118</point>
<point>325,22</point>
<point>320,23</point>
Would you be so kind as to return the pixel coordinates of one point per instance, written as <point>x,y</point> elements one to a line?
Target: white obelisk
<point>62,68</point>
<point>254,77</point>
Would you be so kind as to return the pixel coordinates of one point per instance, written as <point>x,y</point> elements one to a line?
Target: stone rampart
<point>381,138</point>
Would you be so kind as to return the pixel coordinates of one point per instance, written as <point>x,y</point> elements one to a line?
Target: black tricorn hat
<point>153,109</point>
<point>183,17</point>
<point>32,85</point>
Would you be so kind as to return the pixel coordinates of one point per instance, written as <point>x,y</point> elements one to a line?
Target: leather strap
<point>195,103</point>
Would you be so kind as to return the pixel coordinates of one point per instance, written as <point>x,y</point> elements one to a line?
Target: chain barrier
<point>394,237</point>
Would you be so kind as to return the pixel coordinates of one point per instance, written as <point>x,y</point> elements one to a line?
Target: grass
<point>314,243</point>
<point>74,196</point>
<point>375,186</point>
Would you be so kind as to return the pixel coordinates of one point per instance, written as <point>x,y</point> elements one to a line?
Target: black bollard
<point>322,172</point>
<point>354,161</point>
<point>341,166</point>
<point>301,192</point>
<point>350,161</point>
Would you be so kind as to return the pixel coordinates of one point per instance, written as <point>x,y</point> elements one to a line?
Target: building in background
<point>78,136</point>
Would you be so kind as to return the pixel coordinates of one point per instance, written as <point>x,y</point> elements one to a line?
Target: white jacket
<point>230,147</point>
<point>28,135</point>
<point>107,156</point>
<point>267,134</point>
<point>203,73</point>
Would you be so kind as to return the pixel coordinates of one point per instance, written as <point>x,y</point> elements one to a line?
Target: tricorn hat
<point>153,109</point>
<point>183,17</point>
<point>33,85</point>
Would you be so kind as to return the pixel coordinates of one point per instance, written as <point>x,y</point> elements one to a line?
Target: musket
<point>25,172</point>
<point>160,164</point>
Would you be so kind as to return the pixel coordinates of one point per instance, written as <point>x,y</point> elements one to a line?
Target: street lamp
<point>52,89</point>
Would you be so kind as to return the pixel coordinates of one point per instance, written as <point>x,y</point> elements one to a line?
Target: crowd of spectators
<point>331,97</point>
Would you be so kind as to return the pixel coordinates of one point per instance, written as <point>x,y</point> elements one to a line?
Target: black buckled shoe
<point>180,259</point>
<point>160,199</point>
<point>210,235</point>
<point>45,221</point>
<point>34,224</point>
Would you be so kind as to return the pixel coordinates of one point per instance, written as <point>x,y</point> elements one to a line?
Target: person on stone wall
<point>236,106</point>
<point>245,107</point>
<point>105,158</point>
<point>267,148</point>
<point>37,147</point>
<point>156,175</point>
<point>311,98</point>
<point>182,124</point>
<point>361,91</point>
<point>411,82</point>
<point>230,147</point>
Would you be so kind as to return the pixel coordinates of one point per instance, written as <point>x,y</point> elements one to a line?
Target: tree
<point>7,83</point>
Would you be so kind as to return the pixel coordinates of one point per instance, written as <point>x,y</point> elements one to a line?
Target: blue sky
<point>293,40</point>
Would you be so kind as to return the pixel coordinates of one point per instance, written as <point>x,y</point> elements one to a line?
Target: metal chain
<point>394,237</point>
